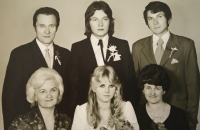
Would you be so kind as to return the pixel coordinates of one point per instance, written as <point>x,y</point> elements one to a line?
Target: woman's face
<point>153,93</point>
<point>104,90</point>
<point>47,95</point>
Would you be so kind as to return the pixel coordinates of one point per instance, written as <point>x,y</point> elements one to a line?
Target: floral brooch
<point>113,53</point>
<point>172,50</point>
<point>57,57</point>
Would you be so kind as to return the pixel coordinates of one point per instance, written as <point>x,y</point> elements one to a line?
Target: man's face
<point>157,23</point>
<point>46,28</point>
<point>99,24</point>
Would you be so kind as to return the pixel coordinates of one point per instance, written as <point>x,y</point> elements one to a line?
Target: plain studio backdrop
<point>16,24</point>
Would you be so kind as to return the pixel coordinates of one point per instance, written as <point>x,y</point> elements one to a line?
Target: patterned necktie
<point>159,51</point>
<point>47,58</point>
<point>101,45</point>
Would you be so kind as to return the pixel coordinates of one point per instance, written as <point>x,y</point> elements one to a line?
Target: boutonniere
<point>57,57</point>
<point>172,50</point>
<point>113,53</point>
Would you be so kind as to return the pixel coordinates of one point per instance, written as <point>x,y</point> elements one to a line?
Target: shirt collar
<point>165,38</point>
<point>95,40</point>
<point>43,47</point>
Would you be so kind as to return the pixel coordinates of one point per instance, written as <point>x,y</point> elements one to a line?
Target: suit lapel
<point>172,43</point>
<point>147,50</point>
<point>89,53</point>
<point>37,54</point>
<point>57,62</point>
<point>110,42</point>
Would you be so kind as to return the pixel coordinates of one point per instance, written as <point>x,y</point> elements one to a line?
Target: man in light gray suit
<point>176,54</point>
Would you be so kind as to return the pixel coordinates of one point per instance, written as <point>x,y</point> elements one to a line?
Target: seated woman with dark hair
<point>44,90</point>
<point>105,109</point>
<point>157,114</point>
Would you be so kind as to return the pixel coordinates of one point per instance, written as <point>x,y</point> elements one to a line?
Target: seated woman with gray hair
<point>44,90</point>
<point>105,109</point>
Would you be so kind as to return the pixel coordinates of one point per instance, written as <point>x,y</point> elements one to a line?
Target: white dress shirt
<point>97,48</point>
<point>43,48</point>
<point>165,39</point>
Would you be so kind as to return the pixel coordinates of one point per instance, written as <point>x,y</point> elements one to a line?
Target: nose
<point>49,95</point>
<point>47,31</point>
<point>107,89</point>
<point>155,21</point>
<point>100,23</point>
<point>152,92</point>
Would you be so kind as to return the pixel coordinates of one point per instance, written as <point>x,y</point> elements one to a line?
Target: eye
<point>149,18</point>
<point>158,87</point>
<point>54,89</point>
<point>105,19</point>
<point>94,19</point>
<point>102,86</point>
<point>160,16</point>
<point>41,25</point>
<point>111,86</point>
<point>147,87</point>
<point>42,91</point>
<point>52,25</point>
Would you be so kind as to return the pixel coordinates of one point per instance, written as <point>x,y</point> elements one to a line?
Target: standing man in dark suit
<point>175,53</point>
<point>101,48</point>
<point>25,59</point>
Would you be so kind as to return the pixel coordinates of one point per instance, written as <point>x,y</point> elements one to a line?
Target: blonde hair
<point>93,115</point>
<point>37,80</point>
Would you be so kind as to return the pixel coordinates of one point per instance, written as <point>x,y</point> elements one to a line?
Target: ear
<point>164,92</point>
<point>93,90</point>
<point>169,21</point>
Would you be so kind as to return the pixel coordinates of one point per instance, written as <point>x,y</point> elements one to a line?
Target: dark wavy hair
<point>98,5</point>
<point>155,7</point>
<point>46,11</point>
<point>155,75</point>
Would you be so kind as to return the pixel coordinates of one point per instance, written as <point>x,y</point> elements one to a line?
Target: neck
<point>104,105</point>
<point>47,113</point>
<point>156,105</point>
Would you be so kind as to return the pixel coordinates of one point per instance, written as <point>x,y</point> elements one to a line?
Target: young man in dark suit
<point>101,48</point>
<point>175,53</point>
<point>26,59</point>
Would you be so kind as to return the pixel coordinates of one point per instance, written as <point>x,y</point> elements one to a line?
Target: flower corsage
<point>113,53</point>
<point>57,57</point>
<point>158,126</point>
<point>172,50</point>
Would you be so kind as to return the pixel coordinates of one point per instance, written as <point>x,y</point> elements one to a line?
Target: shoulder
<point>62,49</point>
<point>81,108</point>
<point>81,43</point>
<point>140,41</point>
<point>22,48</point>
<point>177,110</point>
<point>118,39</point>
<point>182,40</point>
<point>127,106</point>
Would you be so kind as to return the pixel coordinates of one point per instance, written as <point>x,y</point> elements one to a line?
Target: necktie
<point>47,58</point>
<point>159,51</point>
<point>101,45</point>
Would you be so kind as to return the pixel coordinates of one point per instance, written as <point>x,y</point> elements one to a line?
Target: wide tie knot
<point>160,42</point>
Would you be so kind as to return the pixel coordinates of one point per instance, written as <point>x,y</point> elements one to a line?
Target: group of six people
<point>99,84</point>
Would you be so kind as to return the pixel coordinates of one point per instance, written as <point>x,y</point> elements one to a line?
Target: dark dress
<point>176,120</point>
<point>33,120</point>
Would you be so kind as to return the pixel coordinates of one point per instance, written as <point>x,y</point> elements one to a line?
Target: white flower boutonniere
<point>57,57</point>
<point>113,53</point>
<point>172,50</point>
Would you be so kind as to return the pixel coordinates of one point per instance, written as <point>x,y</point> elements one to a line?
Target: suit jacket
<point>84,63</point>
<point>24,60</point>
<point>181,66</point>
